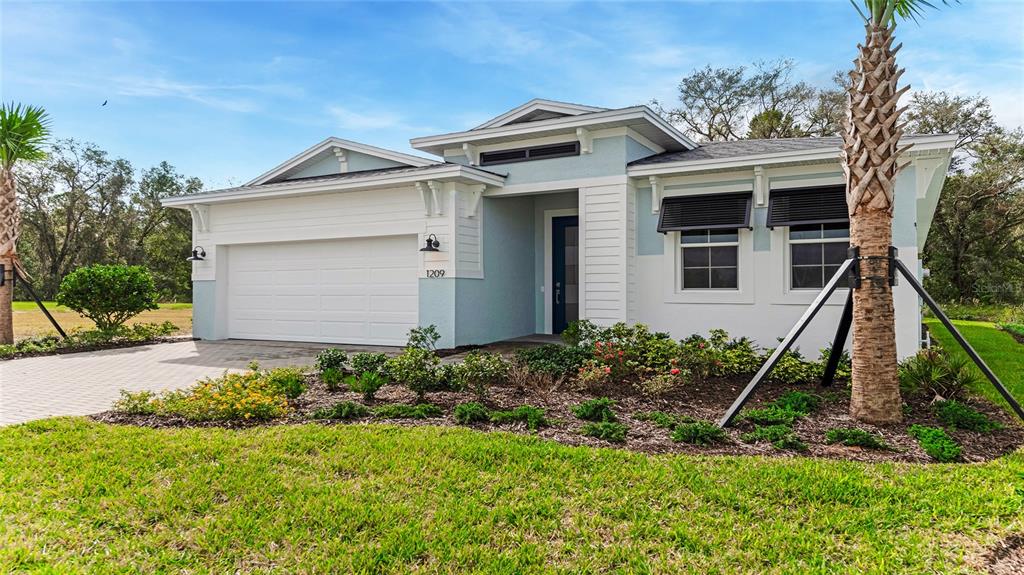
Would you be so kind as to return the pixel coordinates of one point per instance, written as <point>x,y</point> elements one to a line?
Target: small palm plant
<point>871,150</point>
<point>23,133</point>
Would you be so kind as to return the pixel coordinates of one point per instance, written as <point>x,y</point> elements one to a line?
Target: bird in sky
<point>104,103</point>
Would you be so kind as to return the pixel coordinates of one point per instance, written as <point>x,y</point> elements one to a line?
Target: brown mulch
<point>1006,557</point>
<point>707,401</point>
<point>99,347</point>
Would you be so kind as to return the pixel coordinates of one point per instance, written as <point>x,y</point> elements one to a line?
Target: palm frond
<point>886,11</point>
<point>24,131</point>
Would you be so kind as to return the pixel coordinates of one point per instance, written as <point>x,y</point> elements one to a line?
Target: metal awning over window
<point>705,212</point>
<point>819,205</point>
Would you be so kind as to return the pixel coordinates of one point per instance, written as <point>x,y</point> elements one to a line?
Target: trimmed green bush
<point>365,362</point>
<point>403,411</point>
<point>343,410</point>
<point>780,436</point>
<point>472,412</point>
<point>606,430</point>
<point>478,370</point>
<point>798,402</point>
<point>599,409</point>
<point>553,359</point>
<point>770,415</point>
<point>366,383</point>
<point>936,443</point>
<point>332,378</point>
<point>417,369</point>
<point>532,416</point>
<point>109,295</point>
<point>699,433</point>
<point>855,437</point>
<point>289,381</point>
<point>331,358</point>
<point>959,415</point>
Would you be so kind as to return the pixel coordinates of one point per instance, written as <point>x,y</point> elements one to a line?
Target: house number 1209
<point>435,273</point>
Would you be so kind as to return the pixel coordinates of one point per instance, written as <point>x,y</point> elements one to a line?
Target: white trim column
<point>604,253</point>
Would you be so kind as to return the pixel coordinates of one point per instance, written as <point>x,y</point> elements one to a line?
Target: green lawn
<point>79,497</point>
<point>1000,351</point>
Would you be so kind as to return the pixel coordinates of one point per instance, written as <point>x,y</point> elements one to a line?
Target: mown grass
<point>1000,351</point>
<point>77,496</point>
<point>29,321</point>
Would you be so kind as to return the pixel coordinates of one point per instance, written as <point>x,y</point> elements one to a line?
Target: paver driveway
<point>84,383</point>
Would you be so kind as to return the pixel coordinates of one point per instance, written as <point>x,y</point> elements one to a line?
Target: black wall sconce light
<point>198,254</point>
<point>432,244</point>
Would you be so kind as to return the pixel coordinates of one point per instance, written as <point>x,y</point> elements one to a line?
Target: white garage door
<point>360,291</point>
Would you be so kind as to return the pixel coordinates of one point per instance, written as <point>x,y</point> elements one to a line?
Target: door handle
<point>558,292</point>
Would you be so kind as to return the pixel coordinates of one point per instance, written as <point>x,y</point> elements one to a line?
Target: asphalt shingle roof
<point>739,148</point>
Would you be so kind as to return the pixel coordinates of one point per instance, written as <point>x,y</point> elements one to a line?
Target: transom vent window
<point>709,259</point>
<point>527,154</point>
<point>816,252</point>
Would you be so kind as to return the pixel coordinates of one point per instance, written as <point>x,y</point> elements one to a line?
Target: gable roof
<point>538,109</point>
<point>326,147</point>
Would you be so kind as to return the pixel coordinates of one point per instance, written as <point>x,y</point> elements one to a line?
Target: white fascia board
<point>538,104</point>
<point>340,143</point>
<point>921,144</point>
<point>286,188</point>
<point>456,139</point>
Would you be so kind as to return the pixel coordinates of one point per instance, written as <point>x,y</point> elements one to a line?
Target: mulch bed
<point>99,347</point>
<point>707,401</point>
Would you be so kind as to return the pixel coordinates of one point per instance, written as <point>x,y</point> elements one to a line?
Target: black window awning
<point>818,205</point>
<point>705,212</point>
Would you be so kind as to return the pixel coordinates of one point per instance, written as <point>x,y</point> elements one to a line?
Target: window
<point>527,154</point>
<point>815,253</point>
<point>709,259</point>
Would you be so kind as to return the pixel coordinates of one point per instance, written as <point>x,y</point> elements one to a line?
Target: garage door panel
<point>361,291</point>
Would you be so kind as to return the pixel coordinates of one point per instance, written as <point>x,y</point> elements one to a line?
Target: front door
<point>565,293</point>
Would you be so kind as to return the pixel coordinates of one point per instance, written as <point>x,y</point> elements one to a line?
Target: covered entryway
<point>356,291</point>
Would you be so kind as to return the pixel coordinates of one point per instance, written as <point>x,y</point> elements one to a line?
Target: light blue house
<point>548,213</point>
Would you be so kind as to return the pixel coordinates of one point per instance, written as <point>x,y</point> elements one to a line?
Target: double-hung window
<point>818,231</point>
<point>708,228</point>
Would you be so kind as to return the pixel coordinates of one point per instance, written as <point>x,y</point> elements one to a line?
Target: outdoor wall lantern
<point>198,254</point>
<point>432,244</point>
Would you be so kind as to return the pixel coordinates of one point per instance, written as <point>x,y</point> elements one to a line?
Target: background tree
<point>23,133</point>
<point>871,149</point>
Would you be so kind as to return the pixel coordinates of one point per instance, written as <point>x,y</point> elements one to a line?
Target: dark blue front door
<point>565,302</point>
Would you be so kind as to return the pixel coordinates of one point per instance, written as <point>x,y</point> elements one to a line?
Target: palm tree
<point>871,149</point>
<point>23,131</point>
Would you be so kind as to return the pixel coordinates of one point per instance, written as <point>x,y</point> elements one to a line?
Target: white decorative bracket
<point>760,186</point>
<point>476,194</point>
<point>200,217</point>
<point>472,154</point>
<point>342,158</point>
<point>436,190</point>
<point>425,196</point>
<point>655,194</point>
<point>586,140</point>
<point>923,174</point>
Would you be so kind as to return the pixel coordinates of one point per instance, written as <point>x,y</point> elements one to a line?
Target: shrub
<point>962,416</point>
<point>331,358</point>
<point>417,369</point>
<point>663,383</point>
<point>592,376</point>
<point>780,436</point>
<point>364,362</point>
<point>109,295</point>
<point>138,403</point>
<point>233,396</point>
<point>288,381</point>
<point>472,412</point>
<point>332,378</point>
<point>933,372</point>
<point>553,359</point>
<point>366,383</point>
<point>599,409</point>
<point>797,401</point>
<point>936,443</point>
<point>770,415</point>
<point>478,370</point>
<point>533,417</point>
<point>793,369</point>
<point>343,410</point>
<point>699,433</point>
<point>402,411</point>
<point>855,437</point>
<point>606,430</point>
<point>424,337</point>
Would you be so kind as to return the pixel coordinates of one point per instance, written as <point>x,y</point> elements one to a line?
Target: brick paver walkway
<point>85,383</point>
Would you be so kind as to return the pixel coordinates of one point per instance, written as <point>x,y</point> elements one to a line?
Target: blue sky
<point>226,90</point>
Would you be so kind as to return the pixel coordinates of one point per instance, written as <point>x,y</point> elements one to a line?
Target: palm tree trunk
<point>871,149</point>
<point>10,219</point>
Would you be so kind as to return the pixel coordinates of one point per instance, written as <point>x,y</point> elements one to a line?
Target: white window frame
<point>680,246</point>
<point>789,256</point>
<point>672,278</point>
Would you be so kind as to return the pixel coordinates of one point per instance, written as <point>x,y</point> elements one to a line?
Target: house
<point>545,214</point>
